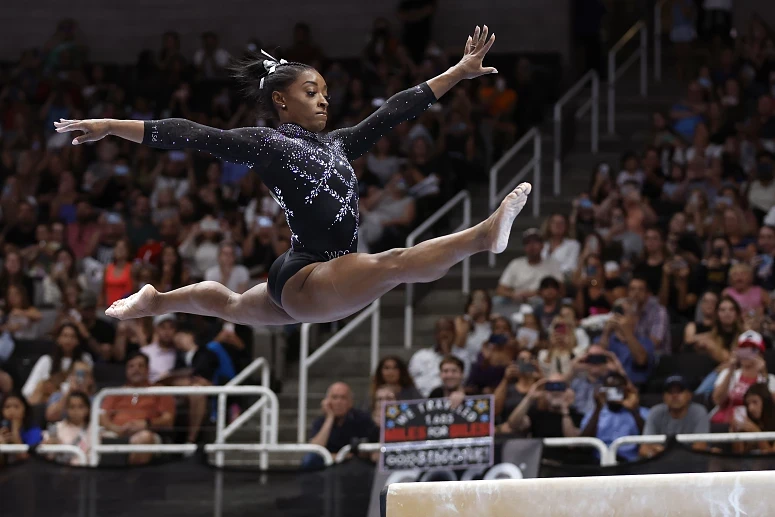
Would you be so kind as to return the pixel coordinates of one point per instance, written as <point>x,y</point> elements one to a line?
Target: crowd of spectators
<point>648,308</point>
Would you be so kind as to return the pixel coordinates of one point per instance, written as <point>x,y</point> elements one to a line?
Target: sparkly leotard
<point>309,174</point>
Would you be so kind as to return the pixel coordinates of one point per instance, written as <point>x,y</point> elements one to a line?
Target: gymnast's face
<point>305,100</point>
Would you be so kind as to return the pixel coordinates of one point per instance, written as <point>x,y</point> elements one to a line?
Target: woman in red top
<point>117,282</point>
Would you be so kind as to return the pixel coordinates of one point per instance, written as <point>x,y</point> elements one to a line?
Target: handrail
<point>464,197</point>
<point>222,433</point>
<point>614,73</point>
<point>580,441</point>
<point>49,448</point>
<point>94,425</point>
<point>592,104</point>
<point>658,39</point>
<point>497,196</point>
<point>306,360</point>
<point>684,438</point>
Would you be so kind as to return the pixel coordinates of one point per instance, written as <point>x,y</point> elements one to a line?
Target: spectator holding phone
<point>756,416</point>
<point>587,374</point>
<point>676,415</point>
<point>634,351</point>
<point>516,383</point>
<point>617,413</point>
<point>497,354</point>
<point>547,410</point>
<point>745,368</point>
<point>558,358</point>
<point>80,379</point>
<point>73,428</point>
<point>474,327</point>
<point>589,280</point>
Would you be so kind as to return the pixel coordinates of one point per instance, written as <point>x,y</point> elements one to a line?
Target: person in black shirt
<point>654,257</point>
<point>310,175</point>
<point>22,233</point>
<point>451,372</point>
<point>339,425</point>
<point>98,334</point>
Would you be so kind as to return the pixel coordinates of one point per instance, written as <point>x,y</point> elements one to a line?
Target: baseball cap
<point>532,233</point>
<point>751,339</point>
<point>158,320</point>
<point>675,380</point>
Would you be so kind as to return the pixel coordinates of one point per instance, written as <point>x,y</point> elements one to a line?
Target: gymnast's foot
<point>498,225</point>
<point>138,305</point>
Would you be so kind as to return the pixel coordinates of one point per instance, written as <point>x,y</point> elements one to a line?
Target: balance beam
<point>723,494</point>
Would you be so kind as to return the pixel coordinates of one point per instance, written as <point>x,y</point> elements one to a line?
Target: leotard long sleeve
<point>309,174</point>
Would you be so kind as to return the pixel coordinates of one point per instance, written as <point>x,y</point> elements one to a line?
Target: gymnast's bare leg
<point>328,291</point>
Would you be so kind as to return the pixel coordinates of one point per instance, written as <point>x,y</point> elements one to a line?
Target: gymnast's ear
<point>278,99</point>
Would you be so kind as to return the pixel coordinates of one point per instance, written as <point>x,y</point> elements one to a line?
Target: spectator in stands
<point>678,289</point>
<point>558,358</point>
<point>161,352</point>
<point>688,113</point>
<point>763,264</point>
<point>22,233</point>
<point>559,246</point>
<point>392,371</point>
<point>202,245</point>
<point>547,305</point>
<point>210,363</point>
<point>568,313</point>
<point>79,379</point>
<point>424,366</point>
<point>713,272</point>
<point>736,230</point>
<point>339,424</point>
<point>521,278</point>
<point>499,351</point>
<point>173,273</point>
<point>586,376</point>
<point>617,413</point>
<point>547,411</point>
<point>705,321</point>
<point>751,298</point>
<point>651,318</point>
<point>516,383</point>
<point>6,381</point>
<point>635,351</point>
<point>676,415</point>
<point>655,254</point>
<point>20,319</point>
<point>211,60</point>
<point>82,234</point>
<point>72,428</point>
<point>14,274</point>
<point>50,370</point>
<point>64,270</point>
<point>761,194</point>
<point>17,425</point>
<point>304,49</point>
<point>451,374</point>
<point>98,335</point>
<point>745,367</point>
<point>757,416</point>
<point>117,280</point>
<point>474,327</point>
<point>388,216</point>
<point>138,417</point>
<point>228,272</point>
<point>589,280</point>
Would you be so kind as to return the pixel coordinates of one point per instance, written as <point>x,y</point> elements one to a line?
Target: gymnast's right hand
<point>93,129</point>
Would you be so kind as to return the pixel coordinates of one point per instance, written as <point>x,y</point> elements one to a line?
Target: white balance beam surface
<point>723,494</point>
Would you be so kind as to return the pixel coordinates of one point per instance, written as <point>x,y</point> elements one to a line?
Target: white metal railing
<point>265,393</point>
<point>496,196</point>
<point>265,432</point>
<point>306,360</point>
<point>462,197</point>
<point>9,448</point>
<point>658,39</point>
<point>614,72</point>
<point>592,104</point>
<point>581,441</point>
<point>684,438</point>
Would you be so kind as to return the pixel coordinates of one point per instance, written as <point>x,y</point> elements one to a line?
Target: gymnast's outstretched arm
<point>408,104</point>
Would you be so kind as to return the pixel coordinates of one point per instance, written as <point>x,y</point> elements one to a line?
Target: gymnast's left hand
<point>477,46</point>
<point>93,130</point>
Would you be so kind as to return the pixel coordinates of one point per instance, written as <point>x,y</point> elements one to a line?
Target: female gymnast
<point>321,278</point>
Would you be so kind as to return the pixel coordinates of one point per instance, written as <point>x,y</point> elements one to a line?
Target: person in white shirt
<point>162,352</point>
<point>228,272</point>
<point>522,276</point>
<point>559,246</point>
<point>425,363</point>
<point>211,60</point>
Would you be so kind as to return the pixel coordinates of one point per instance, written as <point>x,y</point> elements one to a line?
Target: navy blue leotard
<point>309,174</point>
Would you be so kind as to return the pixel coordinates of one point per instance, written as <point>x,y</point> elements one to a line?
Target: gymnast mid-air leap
<point>321,278</point>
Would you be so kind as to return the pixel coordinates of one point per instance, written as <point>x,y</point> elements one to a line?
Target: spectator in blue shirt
<point>16,425</point>
<point>635,352</point>
<point>340,424</point>
<point>617,413</point>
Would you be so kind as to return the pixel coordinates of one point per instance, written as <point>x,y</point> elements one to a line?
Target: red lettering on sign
<point>474,430</point>
<point>406,434</point>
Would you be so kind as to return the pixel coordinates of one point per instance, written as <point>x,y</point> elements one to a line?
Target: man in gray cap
<point>161,352</point>
<point>521,278</point>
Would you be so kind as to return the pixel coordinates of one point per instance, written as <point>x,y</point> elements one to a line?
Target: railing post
<point>644,60</point>
<point>658,41</point>
<point>611,92</point>
<point>557,147</point>
<point>408,315</point>
<point>491,206</point>
<point>536,196</point>
<point>301,432</point>
<point>375,336</point>
<point>467,260</point>
<point>220,423</point>
<point>595,112</point>
<point>266,431</point>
